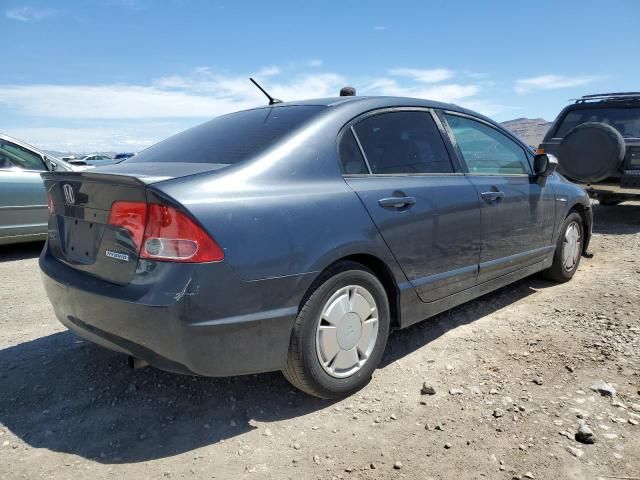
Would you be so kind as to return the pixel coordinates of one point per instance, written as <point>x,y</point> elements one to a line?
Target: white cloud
<point>551,82</point>
<point>314,62</point>
<point>129,117</point>
<point>424,76</point>
<point>379,27</point>
<point>124,137</point>
<point>442,92</point>
<point>112,102</point>
<point>29,14</point>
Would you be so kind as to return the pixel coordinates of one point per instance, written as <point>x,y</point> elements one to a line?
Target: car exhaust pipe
<point>135,363</point>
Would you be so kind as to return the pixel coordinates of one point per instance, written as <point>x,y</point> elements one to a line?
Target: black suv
<point>597,142</point>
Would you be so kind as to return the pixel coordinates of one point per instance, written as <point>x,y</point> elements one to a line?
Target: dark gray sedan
<point>295,237</point>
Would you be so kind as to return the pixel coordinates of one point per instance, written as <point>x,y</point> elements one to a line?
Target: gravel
<point>70,409</point>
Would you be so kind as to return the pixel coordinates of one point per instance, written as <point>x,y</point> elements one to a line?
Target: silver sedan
<point>23,201</point>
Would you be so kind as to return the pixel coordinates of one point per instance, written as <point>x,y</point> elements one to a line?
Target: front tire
<point>340,333</point>
<point>568,250</point>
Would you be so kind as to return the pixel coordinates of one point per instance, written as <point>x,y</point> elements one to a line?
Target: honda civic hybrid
<point>296,236</point>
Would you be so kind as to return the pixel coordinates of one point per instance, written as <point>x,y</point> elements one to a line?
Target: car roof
<point>373,101</point>
<point>362,104</point>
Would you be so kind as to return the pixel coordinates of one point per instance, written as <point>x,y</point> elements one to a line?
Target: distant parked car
<point>295,237</point>
<point>23,201</point>
<point>597,142</point>
<point>95,160</point>
<point>123,156</point>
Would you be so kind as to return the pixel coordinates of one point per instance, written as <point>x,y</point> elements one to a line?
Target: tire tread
<point>294,370</point>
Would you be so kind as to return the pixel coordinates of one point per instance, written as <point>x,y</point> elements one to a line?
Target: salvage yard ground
<point>512,373</point>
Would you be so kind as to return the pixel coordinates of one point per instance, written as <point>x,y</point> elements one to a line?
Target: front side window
<point>486,150</point>
<point>403,142</point>
<point>15,156</point>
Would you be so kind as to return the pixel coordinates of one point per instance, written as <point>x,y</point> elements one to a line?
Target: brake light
<point>132,216</point>
<point>50,208</point>
<point>164,233</point>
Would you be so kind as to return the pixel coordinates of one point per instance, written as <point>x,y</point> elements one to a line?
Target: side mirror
<point>544,164</point>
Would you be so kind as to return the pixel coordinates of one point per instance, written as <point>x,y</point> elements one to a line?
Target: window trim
<point>458,151</point>
<point>364,155</point>
<point>455,164</point>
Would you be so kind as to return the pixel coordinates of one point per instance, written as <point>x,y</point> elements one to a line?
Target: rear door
<point>518,213</point>
<point>23,203</point>
<point>426,211</point>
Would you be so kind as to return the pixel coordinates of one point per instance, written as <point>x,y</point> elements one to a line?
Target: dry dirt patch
<point>512,373</point>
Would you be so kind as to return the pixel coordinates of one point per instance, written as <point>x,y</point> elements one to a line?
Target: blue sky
<point>122,74</point>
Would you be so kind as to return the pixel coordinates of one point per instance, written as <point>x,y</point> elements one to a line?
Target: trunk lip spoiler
<point>96,177</point>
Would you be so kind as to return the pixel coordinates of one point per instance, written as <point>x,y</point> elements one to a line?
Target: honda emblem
<point>68,193</point>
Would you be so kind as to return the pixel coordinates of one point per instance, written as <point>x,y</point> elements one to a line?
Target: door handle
<point>396,202</point>
<point>492,196</point>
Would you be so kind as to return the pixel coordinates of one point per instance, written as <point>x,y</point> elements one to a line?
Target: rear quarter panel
<point>288,213</point>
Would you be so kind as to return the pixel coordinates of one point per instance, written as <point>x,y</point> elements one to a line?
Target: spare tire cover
<point>591,152</point>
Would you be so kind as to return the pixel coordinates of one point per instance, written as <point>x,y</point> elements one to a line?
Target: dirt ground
<point>512,373</point>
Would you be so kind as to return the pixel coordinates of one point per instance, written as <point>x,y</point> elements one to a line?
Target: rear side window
<point>625,120</point>
<point>485,149</point>
<point>403,142</point>
<point>231,138</point>
<point>350,155</point>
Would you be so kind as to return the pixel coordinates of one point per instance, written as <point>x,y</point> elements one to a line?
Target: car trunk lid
<point>79,230</point>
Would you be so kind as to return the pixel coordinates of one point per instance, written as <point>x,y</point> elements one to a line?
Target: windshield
<point>625,120</point>
<point>231,138</point>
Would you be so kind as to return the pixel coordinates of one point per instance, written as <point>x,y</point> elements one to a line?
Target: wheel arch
<point>380,269</point>
<point>585,214</point>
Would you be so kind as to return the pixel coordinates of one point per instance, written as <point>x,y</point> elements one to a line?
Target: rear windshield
<point>231,138</point>
<point>625,120</point>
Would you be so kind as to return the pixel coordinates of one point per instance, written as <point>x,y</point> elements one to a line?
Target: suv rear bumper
<point>609,188</point>
<point>175,336</point>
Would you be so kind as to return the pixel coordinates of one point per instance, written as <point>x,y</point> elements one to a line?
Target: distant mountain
<point>530,130</point>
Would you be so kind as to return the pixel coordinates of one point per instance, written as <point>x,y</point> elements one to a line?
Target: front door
<point>518,212</point>
<point>428,214</point>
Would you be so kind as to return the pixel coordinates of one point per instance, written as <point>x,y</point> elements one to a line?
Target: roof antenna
<point>272,100</point>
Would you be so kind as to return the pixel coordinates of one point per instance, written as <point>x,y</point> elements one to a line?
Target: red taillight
<point>165,233</point>
<point>172,235</point>
<point>50,208</point>
<point>132,216</point>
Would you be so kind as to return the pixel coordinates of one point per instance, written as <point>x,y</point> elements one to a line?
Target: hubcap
<point>571,246</point>
<point>347,331</point>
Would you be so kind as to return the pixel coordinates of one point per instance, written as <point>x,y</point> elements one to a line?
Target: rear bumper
<point>191,332</point>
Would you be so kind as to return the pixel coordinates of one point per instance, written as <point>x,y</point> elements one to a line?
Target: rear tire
<point>340,333</point>
<point>568,250</point>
